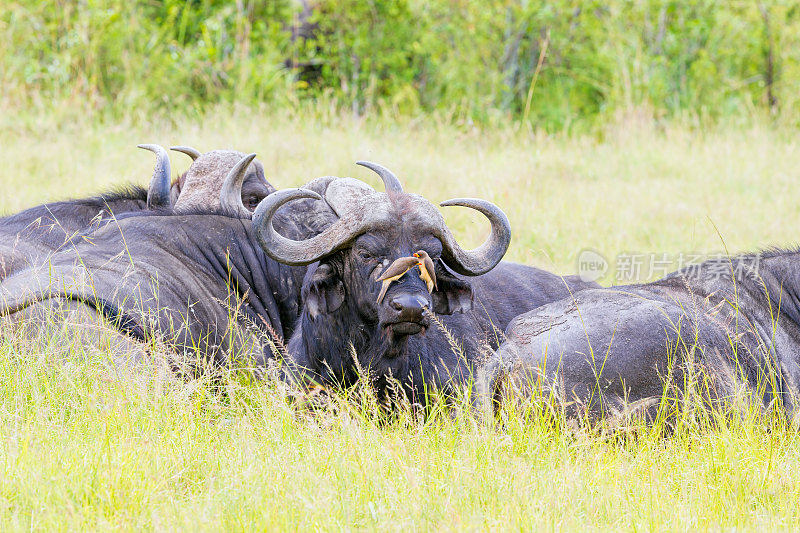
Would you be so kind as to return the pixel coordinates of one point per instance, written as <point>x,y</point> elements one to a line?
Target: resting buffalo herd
<point>337,282</point>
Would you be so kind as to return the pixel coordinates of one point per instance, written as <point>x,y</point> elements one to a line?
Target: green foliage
<point>553,63</point>
<point>366,52</point>
<point>170,54</point>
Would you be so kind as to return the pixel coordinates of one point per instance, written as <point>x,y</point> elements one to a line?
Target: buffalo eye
<point>364,255</point>
<point>251,202</point>
<point>432,246</point>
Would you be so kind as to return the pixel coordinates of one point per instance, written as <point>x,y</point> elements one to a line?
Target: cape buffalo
<point>343,329</point>
<point>725,331</point>
<point>198,281</point>
<point>200,186</point>
<point>29,237</point>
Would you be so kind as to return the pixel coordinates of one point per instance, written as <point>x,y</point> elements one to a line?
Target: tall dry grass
<point>84,447</point>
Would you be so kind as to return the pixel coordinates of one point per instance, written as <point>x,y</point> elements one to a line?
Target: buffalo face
<point>255,186</point>
<point>374,230</point>
<point>347,284</point>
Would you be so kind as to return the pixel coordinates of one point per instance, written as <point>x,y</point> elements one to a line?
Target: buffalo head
<point>208,179</point>
<point>209,182</point>
<point>373,230</point>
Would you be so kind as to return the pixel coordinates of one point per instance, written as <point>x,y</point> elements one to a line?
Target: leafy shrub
<point>553,63</point>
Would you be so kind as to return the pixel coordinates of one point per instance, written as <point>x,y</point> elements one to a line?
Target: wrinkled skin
<point>177,276</point>
<point>610,352</point>
<point>398,337</point>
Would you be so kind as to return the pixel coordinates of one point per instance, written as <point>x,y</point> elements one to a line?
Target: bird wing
<point>384,288</point>
<point>429,267</point>
<point>399,267</point>
<point>392,276</point>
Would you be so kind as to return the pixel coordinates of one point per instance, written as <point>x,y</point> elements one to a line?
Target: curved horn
<point>188,150</point>
<point>230,196</point>
<point>390,181</point>
<point>305,252</point>
<point>158,191</point>
<point>484,258</point>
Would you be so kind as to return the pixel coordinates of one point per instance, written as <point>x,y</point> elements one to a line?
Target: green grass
<point>82,447</point>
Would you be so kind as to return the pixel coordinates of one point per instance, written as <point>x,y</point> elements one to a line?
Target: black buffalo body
<point>195,280</point>
<point>729,328</point>
<point>189,279</point>
<point>31,235</point>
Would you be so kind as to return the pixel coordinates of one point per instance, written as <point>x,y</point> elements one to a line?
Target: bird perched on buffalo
<point>396,271</point>
<point>426,269</point>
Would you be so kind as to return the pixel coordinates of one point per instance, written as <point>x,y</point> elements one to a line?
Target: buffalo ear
<point>453,295</point>
<point>323,290</point>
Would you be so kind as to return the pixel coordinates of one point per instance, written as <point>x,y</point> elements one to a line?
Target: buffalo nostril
<point>409,306</point>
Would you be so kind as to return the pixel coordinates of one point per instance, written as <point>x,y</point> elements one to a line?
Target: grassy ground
<point>84,448</point>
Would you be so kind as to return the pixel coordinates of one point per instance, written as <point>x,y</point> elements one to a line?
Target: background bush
<point>554,64</point>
